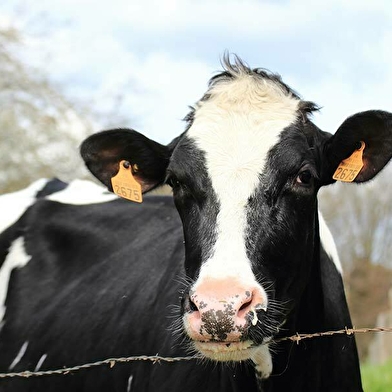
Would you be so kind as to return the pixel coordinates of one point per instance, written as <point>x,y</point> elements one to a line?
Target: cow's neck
<point>302,362</point>
<point>310,315</point>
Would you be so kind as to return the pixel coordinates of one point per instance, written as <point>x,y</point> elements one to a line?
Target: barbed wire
<point>346,331</point>
<point>157,358</point>
<point>110,361</point>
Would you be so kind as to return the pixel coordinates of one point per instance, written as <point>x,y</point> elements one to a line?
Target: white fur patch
<point>13,205</point>
<point>263,361</point>
<point>129,383</point>
<point>40,362</point>
<point>329,244</point>
<point>16,258</point>
<point>19,356</point>
<point>81,192</point>
<point>236,127</point>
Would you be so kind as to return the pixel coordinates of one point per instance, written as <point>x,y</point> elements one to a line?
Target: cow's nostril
<point>190,306</point>
<point>245,305</point>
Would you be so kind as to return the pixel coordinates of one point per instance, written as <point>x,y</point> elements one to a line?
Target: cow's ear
<point>374,128</point>
<point>102,153</point>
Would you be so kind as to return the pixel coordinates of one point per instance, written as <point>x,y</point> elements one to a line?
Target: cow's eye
<point>173,182</point>
<point>304,177</point>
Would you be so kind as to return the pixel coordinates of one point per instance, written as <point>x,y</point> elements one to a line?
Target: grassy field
<point>377,378</point>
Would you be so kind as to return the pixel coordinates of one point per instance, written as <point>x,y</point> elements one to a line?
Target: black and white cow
<point>259,262</point>
<point>92,276</point>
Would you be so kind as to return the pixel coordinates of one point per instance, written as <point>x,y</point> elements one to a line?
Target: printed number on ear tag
<point>349,168</point>
<point>125,185</point>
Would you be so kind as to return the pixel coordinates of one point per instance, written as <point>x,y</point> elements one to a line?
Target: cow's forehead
<point>235,127</point>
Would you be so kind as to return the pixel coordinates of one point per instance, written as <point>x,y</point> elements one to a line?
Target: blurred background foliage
<point>360,218</point>
<point>41,130</point>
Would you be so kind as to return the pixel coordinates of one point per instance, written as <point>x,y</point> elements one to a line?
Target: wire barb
<point>346,331</point>
<point>157,358</point>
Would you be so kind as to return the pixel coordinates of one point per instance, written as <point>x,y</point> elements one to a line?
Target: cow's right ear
<point>102,153</point>
<point>373,128</point>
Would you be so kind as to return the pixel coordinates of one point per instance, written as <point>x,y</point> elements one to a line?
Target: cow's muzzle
<point>218,315</point>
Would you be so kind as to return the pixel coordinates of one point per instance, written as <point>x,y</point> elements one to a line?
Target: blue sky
<point>159,55</point>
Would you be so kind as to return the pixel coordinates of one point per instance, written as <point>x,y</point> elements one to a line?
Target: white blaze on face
<point>236,127</point>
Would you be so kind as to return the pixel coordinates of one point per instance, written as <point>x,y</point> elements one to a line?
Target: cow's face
<point>244,179</point>
<point>245,175</point>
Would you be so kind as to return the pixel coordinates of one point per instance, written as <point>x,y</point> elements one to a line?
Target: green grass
<point>377,378</point>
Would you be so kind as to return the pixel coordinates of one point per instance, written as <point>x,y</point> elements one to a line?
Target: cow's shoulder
<point>13,208</point>
<point>82,225</point>
<point>14,204</point>
<point>85,204</point>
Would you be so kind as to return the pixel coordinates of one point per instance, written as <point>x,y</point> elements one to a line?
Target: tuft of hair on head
<point>234,65</point>
<point>308,107</point>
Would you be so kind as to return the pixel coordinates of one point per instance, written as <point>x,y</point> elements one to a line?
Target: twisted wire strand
<point>157,358</point>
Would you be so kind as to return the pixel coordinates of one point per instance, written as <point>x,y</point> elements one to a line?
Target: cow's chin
<point>238,351</point>
<point>223,352</point>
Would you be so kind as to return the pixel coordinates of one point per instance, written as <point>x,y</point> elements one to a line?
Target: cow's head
<point>245,176</point>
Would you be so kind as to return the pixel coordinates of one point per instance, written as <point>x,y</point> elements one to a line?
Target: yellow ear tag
<point>125,185</point>
<point>349,168</point>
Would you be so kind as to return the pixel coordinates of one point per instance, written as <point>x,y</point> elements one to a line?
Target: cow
<point>77,293</point>
<point>240,255</point>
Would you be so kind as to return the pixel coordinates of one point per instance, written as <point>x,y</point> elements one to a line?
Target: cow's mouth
<point>226,351</point>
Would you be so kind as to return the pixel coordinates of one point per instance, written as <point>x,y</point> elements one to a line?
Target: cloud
<point>151,59</point>
<point>157,91</point>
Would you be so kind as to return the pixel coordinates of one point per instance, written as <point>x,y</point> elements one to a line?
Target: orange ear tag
<point>125,185</point>
<point>349,168</point>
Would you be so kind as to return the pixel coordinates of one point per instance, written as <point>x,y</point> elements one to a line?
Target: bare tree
<point>40,130</point>
<point>360,217</point>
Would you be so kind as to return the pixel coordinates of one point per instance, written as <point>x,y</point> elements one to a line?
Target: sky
<point>149,60</point>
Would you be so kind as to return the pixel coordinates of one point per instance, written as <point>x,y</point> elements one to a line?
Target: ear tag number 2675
<point>349,168</point>
<point>125,185</point>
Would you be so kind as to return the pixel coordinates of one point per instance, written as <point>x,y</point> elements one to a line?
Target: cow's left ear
<point>374,128</point>
<point>102,153</point>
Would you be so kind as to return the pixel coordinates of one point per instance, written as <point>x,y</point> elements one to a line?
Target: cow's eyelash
<point>173,182</point>
<point>306,175</point>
